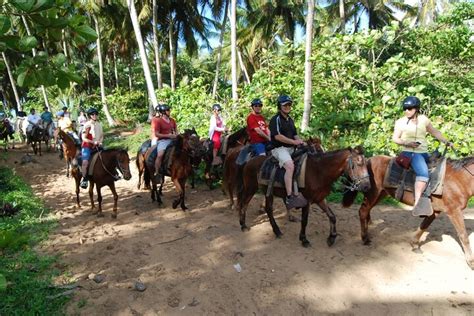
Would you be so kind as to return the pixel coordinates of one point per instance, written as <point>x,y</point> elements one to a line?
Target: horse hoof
<point>100,214</point>
<point>114,216</point>
<point>175,204</point>
<point>306,243</point>
<point>184,208</point>
<point>244,228</point>
<point>366,242</point>
<point>293,219</point>
<point>278,235</point>
<point>331,240</point>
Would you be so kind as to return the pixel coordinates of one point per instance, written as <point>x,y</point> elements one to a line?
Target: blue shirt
<point>47,117</point>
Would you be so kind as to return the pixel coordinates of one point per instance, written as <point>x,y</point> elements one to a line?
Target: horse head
<point>314,145</point>
<point>356,170</point>
<point>123,164</point>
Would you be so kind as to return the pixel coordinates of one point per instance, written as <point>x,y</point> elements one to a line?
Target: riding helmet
<point>411,102</point>
<point>282,99</point>
<point>256,101</point>
<point>216,107</point>
<point>162,108</point>
<point>92,111</point>
<point>60,113</point>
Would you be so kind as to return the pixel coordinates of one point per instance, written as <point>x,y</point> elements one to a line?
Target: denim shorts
<point>258,149</point>
<point>419,164</point>
<point>162,144</point>
<point>86,153</point>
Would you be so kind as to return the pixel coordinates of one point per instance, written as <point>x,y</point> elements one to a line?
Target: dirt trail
<point>186,260</point>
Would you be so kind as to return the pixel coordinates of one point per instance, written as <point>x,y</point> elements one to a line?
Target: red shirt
<point>154,124</point>
<point>254,121</point>
<point>89,137</point>
<point>163,127</point>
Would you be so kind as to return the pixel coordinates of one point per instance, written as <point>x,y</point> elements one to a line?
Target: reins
<point>120,168</point>
<point>353,182</point>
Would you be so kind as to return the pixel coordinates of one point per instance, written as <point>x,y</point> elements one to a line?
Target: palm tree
<point>381,12</point>
<point>233,41</point>
<point>429,10</point>
<point>12,82</point>
<point>308,83</point>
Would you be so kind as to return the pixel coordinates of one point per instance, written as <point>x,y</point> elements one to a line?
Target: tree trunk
<point>115,69</point>
<point>219,53</point>
<point>242,66</point>
<point>12,82</point>
<point>172,48</point>
<point>43,90</point>
<point>342,16</point>
<point>143,57</point>
<point>159,80</point>
<point>110,120</point>
<point>308,82</point>
<point>233,41</point>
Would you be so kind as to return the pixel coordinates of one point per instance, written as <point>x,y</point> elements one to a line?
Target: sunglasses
<point>409,109</point>
<point>287,104</point>
<point>257,105</point>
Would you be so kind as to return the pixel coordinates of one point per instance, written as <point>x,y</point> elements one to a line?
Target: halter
<point>354,182</point>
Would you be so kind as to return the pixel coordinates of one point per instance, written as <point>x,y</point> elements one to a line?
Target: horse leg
<point>160,191</point>
<point>415,240</point>
<point>457,219</point>
<point>332,222</point>
<point>304,222</point>
<point>182,181</point>
<point>269,211</point>
<point>180,189</point>
<point>114,192</point>
<point>91,195</point>
<point>364,216</point>
<point>242,205</point>
<point>99,201</point>
<point>77,179</point>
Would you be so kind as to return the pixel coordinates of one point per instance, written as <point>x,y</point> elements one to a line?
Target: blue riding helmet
<point>411,102</point>
<point>60,113</point>
<point>256,101</point>
<point>282,99</point>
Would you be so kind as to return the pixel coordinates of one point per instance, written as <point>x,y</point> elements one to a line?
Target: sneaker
<point>295,201</point>
<point>84,184</point>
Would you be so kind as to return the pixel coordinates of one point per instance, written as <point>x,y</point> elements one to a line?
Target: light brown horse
<point>70,149</point>
<point>322,169</point>
<point>458,188</point>
<point>105,174</point>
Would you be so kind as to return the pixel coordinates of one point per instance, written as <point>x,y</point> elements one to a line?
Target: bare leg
<point>420,187</point>
<point>159,158</point>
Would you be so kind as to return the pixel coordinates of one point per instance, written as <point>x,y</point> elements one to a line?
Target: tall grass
<point>26,286</point>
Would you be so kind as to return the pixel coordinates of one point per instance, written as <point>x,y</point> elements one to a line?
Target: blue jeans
<point>86,153</point>
<point>419,165</point>
<point>258,148</point>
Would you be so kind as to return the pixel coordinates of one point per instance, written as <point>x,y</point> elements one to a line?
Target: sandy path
<point>186,260</point>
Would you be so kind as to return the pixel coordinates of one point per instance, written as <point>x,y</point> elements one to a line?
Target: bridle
<point>353,181</point>
<point>119,167</point>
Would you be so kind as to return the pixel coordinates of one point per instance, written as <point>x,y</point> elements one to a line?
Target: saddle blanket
<point>394,177</point>
<point>264,175</point>
<point>167,161</point>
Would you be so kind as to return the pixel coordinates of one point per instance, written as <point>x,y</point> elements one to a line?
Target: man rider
<point>165,130</point>
<point>284,140</point>
<point>33,120</point>
<point>92,138</point>
<point>257,128</point>
<point>47,118</point>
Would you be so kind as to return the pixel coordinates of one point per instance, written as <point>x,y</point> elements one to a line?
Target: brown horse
<point>185,147</point>
<point>212,172</point>
<point>458,188</point>
<point>322,169</point>
<point>230,167</point>
<point>69,148</point>
<point>105,173</point>
<point>35,137</point>
<point>6,133</point>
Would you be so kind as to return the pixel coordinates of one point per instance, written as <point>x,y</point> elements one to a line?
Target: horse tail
<point>348,198</point>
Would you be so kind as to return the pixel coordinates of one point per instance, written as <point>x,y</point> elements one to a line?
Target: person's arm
<point>85,132</point>
<point>162,135</point>
<point>437,134</point>
<point>259,131</point>
<point>396,138</point>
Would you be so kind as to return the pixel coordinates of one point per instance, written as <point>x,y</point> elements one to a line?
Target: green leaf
<point>21,78</point>
<point>86,32</point>
<point>24,5</point>
<point>3,283</point>
<point>28,43</point>
<point>41,57</point>
<point>5,24</point>
<point>59,60</point>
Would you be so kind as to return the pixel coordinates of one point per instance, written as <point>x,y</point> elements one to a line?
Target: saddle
<point>396,177</point>
<point>272,175</point>
<point>245,155</point>
<point>165,168</point>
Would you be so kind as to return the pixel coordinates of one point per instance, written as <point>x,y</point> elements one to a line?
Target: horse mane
<point>111,149</point>
<point>234,138</point>
<point>178,144</point>
<point>458,164</point>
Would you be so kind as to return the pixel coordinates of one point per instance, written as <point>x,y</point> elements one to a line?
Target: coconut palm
<point>308,83</point>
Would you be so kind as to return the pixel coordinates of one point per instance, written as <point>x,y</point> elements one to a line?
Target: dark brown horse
<point>212,172</point>
<point>229,179</point>
<point>69,148</point>
<point>6,134</point>
<point>105,173</point>
<point>458,188</point>
<point>185,147</point>
<point>322,169</point>
<point>35,137</point>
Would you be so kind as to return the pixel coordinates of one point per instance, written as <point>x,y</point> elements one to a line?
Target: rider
<point>284,140</point>
<point>4,120</point>
<point>257,128</point>
<point>216,127</point>
<point>92,138</point>
<point>164,129</point>
<point>410,132</point>
<point>65,124</point>
<point>47,118</point>
<point>33,120</point>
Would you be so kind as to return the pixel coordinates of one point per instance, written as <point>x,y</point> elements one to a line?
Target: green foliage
<point>25,276</point>
<point>128,106</point>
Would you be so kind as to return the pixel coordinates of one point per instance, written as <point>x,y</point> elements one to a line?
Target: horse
<point>458,188</point>
<point>35,137</point>
<point>69,148</point>
<point>322,170</point>
<point>105,173</point>
<point>230,167</point>
<point>48,134</point>
<point>20,126</point>
<point>185,147</point>
<point>211,171</point>
<point>6,133</point>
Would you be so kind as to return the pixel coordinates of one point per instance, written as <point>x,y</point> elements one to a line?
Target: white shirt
<point>33,118</point>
